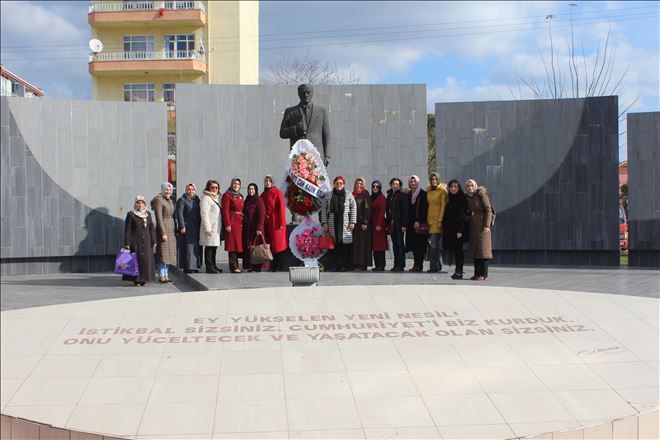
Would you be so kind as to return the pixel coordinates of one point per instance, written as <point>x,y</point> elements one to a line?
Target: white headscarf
<point>164,186</point>
<point>143,212</point>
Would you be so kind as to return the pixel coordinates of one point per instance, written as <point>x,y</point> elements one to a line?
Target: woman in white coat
<point>209,235</point>
<point>338,216</point>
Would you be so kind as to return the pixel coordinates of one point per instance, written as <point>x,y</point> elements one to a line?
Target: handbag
<point>327,241</point>
<point>260,253</point>
<point>423,228</point>
<point>126,263</point>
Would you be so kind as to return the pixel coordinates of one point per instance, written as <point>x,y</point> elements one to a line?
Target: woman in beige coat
<point>209,235</point>
<point>163,208</point>
<point>480,216</point>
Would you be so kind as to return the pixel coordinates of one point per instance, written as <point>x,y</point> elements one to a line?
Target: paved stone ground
<point>42,290</point>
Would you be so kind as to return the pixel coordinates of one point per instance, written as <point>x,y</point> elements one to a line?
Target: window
<point>179,46</point>
<point>138,92</point>
<point>168,93</point>
<point>137,46</point>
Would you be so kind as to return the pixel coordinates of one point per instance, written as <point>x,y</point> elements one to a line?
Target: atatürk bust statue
<point>307,121</point>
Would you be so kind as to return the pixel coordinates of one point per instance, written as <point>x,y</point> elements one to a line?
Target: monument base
<point>304,276</point>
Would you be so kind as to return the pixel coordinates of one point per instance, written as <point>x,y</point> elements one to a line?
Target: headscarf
<point>186,187</point>
<point>164,186</point>
<point>431,177</point>
<point>364,192</point>
<point>143,212</point>
<point>249,198</point>
<point>375,194</point>
<point>231,191</point>
<point>475,185</point>
<point>416,191</point>
<point>269,176</point>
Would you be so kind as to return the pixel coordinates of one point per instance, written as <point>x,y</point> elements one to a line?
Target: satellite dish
<point>95,45</point>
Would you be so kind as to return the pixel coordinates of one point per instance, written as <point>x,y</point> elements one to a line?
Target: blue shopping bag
<point>126,263</point>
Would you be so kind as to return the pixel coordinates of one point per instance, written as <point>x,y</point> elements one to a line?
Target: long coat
<point>416,243</point>
<point>232,215</point>
<point>362,239</point>
<point>209,211</point>
<point>350,216</point>
<point>437,200</point>
<point>254,215</point>
<point>378,238</point>
<point>397,208</point>
<point>188,216</point>
<point>275,221</point>
<point>164,211</point>
<point>316,123</point>
<point>140,237</point>
<point>455,220</point>
<point>480,216</point>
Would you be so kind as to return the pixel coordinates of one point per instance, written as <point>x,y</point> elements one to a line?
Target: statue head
<point>305,92</point>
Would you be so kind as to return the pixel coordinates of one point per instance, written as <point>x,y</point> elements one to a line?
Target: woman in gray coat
<point>338,216</point>
<point>188,221</point>
<point>163,208</point>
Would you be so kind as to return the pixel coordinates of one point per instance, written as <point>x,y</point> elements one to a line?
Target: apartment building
<point>149,46</point>
<point>13,85</point>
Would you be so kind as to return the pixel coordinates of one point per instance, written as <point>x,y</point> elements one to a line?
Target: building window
<point>179,46</point>
<point>138,92</point>
<point>138,46</point>
<point>168,93</point>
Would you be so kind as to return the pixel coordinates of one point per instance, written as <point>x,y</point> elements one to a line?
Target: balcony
<point>103,14</point>
<point>163,62</point>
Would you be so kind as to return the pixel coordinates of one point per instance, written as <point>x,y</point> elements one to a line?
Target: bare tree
<point>291,69</point>
<point>586,80</point>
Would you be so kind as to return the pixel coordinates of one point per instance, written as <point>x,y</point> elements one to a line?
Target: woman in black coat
<point>140,237</point>
<point>188,221</point>
<point>397,220</point>
<point>416,241</point>
<point>454,226</point>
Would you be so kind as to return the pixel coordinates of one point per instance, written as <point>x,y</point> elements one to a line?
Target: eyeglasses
<point>375,186</point>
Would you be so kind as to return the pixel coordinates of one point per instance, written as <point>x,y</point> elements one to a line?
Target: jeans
<point>162,269</point>
<point>398,248</point>
<point>434,252</point>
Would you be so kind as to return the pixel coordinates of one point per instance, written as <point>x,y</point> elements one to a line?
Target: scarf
<point>249,199</point>
<point>165,186</point>
<point>415,192</point>
<point>213,197</point>
<point>375,194</point>
<point>143,212</point>
<point>231,191</point>
<point>337,207</point>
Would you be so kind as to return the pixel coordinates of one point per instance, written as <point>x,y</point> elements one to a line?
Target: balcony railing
<point>144,6</point>
<point>149,56</point>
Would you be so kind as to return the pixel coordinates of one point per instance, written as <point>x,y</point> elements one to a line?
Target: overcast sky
<point>462,51</point>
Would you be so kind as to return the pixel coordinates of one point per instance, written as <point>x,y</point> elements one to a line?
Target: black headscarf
<point>250,198</point>
<point>375,194</point>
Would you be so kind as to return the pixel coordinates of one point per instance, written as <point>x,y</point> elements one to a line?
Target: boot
<point>211,269</point>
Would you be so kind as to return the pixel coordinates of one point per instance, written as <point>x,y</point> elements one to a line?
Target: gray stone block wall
<point>70,173</point>
<point>551,170</point>
<point>225,131</point>
<point>644,189</point>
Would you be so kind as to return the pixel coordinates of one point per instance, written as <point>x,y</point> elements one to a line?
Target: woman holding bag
<point>140,237</point>
<point>254,215</point>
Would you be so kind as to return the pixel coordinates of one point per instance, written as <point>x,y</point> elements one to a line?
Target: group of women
<point>417,221</point>
<point>195,223</point>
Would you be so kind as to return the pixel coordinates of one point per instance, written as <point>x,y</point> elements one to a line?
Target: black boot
<point>211,269</point>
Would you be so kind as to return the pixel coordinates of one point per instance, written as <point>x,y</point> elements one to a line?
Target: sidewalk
<point>41,290</point>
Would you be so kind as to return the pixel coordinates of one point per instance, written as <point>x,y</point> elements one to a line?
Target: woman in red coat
<point>254,214</point>
<point>232,221</point>
<point>378,230</point>
<point>275,222</point>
